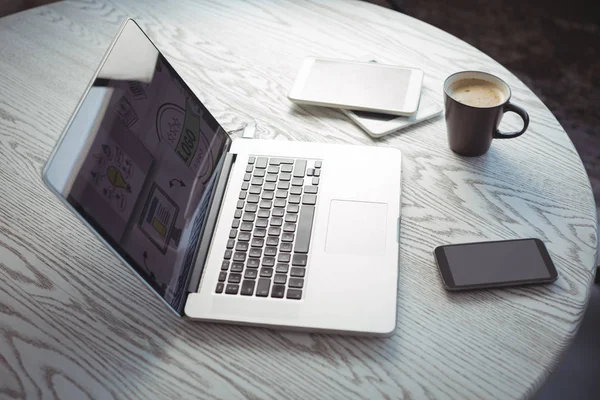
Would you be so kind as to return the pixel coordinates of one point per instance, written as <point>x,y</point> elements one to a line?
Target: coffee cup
<point>475,103</point>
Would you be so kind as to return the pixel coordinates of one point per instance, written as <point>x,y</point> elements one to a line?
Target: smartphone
<point>378,125</point>
<point>494,264</point>
<point>360,86</point>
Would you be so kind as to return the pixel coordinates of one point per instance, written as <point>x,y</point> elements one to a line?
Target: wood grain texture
<point>74,323</point>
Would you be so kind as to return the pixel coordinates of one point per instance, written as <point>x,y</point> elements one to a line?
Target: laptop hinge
<point>211,221</point>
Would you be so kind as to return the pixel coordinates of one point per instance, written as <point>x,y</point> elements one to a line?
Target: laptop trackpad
<point>356,227</point>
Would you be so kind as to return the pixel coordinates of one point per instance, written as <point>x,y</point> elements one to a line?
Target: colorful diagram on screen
<point>158,219</point>
<point>113,174</point>
<point>181,129</point>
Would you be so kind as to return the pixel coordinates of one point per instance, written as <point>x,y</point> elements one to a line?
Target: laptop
<point>278,234</point>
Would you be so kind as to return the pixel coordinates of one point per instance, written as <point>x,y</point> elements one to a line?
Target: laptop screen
<point>139,162</point>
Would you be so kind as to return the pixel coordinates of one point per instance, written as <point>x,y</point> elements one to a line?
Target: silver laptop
<point>269,233</point>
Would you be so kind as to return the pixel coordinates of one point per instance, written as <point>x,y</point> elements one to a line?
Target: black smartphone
<point>494,264</point>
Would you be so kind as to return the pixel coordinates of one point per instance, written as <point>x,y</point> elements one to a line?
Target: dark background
<point>554,48</point>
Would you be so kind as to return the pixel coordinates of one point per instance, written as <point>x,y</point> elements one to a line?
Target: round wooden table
<point>74,322</point>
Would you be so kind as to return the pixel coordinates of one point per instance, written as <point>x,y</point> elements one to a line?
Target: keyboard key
<point>285,247</point>
<point>277,291</point>
<point>237,267</point>
<point>254,189</point>
<point>240,204</point>
<point>230,243</point>
<point>232,288</point>
<point>228,254</point>
<point>270,186</point>
<point>296,283</point>
<point>272,241</point>
<point>266,272</point>
<point>276,221</point>
<point>270,251</point>
<point>274,231</point>
<point>281,194</point>
<point>239,256</point>
<point>294,199</point>
<point>318,164</point>
<point>297,271</point>
<point>280,279</point>
<point>271,178</point>
<point>246,226</point>
<point>285,177</point>
<point>297,182</point>
<point>251,160</point>
<point>234,278</point>
<point>254,252</point>
<point>251,274</point>
<point>243,194</point>
<point>245,185</point>
<point>232,233</point>
<point>268,261</point>
<point>253,263</point>
<point>224,265</point>
<point>260,232</point>
<point>249,168</point>
<point>267,195</point>
<point>237,214</point>
<point>258,242</point>
<point>253,198</point>
<point>266,204</point>
<point>259,172</point>
<point>279,203</point>
<point>310,172</point>
<point>244,236</point>
<point>235,224</point>
<point>296,190</point>
<point>281,268</point>
<point>284,185</point>
<point>241,246</point>
<point>310,189</point>
<point>304,228</point>
<point>273,169</point>
<point>294,294</point>
<point>251,207</point>
<point>257,180</point>
<point>222,276</point>
<point>278,212</point>
<point>287,168</point>
<point>220,287</point>
<point>317,172</point>
<point>264,213</point>
<point>287,237</point>
<point>248,217</point>
<point>247,177</point>
<point>284,257</point>
<point>293,208</point>
<point>315,181</point>
<point>262,289</point>
<point>299,260</point>
<point>299,168</point>
<point>261,162</point>
<point>291,217</point>
<point>289,227</point>
<point>248,288</point>
<point>262,223</point>
<point>310,199</point>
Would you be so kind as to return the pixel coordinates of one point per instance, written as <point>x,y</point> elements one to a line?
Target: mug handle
<point>517,110</point>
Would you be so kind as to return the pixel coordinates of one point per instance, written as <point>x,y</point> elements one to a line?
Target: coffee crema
<point>476,93</point>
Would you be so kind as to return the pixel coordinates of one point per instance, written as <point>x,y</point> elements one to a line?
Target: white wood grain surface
<point>75,323</point>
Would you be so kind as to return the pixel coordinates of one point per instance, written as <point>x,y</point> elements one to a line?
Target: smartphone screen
<point>500,263</point>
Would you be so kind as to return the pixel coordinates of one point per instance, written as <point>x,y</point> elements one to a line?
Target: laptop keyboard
<point>267,250</point>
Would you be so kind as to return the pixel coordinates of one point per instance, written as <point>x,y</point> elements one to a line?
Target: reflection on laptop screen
<point>139,162</point>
